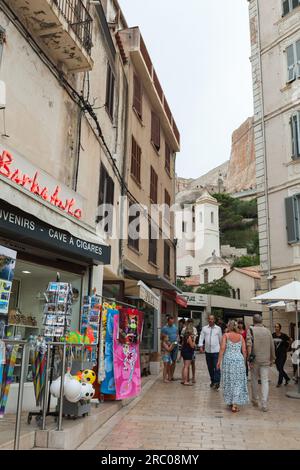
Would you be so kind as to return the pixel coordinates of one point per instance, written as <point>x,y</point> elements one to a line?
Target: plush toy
<point>87,391</point>
<point>74,337</point>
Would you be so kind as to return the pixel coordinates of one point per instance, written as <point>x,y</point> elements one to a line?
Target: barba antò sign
<point>21,172</point>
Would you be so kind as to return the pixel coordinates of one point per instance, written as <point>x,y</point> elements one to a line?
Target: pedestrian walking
<point>187,352</point>
<point>171,330</point>
<point>190,323</point>
<point>243,332</point>
<point>232,359</point>
<point>211,335</point>
<point>261,356</point>
<point>282,344</point>
<point>166,348</point>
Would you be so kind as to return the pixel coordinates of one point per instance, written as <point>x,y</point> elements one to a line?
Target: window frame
<point>138,96</point>
<point>293,69</point>
<point>291,6</point>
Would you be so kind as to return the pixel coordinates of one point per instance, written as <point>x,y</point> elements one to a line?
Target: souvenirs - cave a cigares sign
<point>23,173</point>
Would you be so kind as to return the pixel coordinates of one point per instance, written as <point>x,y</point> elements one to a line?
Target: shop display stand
<point>57,324</point>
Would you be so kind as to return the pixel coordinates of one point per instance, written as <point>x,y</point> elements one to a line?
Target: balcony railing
<point>79,19</point>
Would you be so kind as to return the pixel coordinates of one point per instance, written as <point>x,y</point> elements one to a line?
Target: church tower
<point>207,234</point>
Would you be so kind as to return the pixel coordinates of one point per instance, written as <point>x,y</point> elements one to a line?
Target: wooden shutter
<point>138,96</point>
<point>167,159</point>
<point>155,130</point>
<point>136,153</point>
<point>286,7</point>
<point>133,242</point>
<point>167,259</point>
<point>297,50</point>
<point>110,91</point>
<point>295,130</point>
<point>292,219</point>
<point>291,62</point>
<point>152,246</point>
<point>167,198</point>
<point>153,186</point>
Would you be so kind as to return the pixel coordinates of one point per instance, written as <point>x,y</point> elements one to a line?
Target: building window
<point>289,5</point>
<point>212,217</point>
<point>105,197</point>
<point>168,159</point>
<point>138,96</point>
<point>184,227</point>
<point>152,245</point>
<point>293,61</point>
<point>134,227</point>
<point>201,217</point>
<point>292,218</point>
<point>136,153</point>
<point>224,272</point>
<point>110,91</point>
<point>167,259</point>
<point>155,131</point>
<point>167,206</point>
<point>153,186</point>
<point>188,271</point>
<point>233,294</point>
<point>205,276</point>
<point>238,293</point>
<point>295,130</point>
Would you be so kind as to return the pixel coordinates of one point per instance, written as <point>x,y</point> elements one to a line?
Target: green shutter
<point>292,219</point>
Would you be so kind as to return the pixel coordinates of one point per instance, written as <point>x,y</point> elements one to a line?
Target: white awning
<point>47,213</point>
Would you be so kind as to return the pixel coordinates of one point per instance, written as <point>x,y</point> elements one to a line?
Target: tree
<point>246,261</point>
<point>217,287</point>
<point>181,285</point>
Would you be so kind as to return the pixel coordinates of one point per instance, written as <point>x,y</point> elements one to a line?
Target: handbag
<point>252,356</point>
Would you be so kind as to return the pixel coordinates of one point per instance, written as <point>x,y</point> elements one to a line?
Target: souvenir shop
<point>47,276</point>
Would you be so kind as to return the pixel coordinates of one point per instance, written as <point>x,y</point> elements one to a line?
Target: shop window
<point>134,227</point>
<point>167,259</point>
<point>138,96</point>
<point>155,131</point>
<point>153,186</point>
<point>205,276</point>
<point>110,92</point>
<point>26,304</point>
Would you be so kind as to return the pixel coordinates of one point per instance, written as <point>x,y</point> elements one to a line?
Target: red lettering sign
<point>33,185</point>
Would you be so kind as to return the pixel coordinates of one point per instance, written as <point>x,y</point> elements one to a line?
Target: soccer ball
<point>87,391</point>
<point>88,376</point>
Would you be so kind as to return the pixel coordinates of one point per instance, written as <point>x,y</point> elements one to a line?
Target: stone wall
<point>241,172</point>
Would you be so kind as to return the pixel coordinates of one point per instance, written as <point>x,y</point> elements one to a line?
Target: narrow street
<point>192,418</point>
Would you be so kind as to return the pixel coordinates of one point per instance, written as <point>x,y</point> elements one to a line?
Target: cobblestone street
<point>170,416</point>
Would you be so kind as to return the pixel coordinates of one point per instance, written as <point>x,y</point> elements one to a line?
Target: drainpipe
<point>266,180</point>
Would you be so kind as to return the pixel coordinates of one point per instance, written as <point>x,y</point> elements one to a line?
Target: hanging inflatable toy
<point>87,391</point>
<point>88,376</point>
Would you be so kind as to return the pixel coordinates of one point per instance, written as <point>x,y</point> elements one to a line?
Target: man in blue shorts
<point>171,330</point>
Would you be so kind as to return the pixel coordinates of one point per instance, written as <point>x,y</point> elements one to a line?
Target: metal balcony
<point>63,29</point>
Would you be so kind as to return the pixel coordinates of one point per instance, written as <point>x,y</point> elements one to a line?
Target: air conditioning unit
<point>2,95</point>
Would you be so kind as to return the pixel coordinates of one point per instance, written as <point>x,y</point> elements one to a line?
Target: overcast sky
<point>201,51</point>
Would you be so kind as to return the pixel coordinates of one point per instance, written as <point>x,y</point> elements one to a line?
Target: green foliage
<point>218,287</point>
<point>180,284</point>
<point>246,261</point>
<point>238,223</point>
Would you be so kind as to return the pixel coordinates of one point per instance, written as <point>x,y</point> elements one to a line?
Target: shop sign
<point>21,172</point>
<point>148,296</point>
<point>197,300</point>
<point>24,227</point>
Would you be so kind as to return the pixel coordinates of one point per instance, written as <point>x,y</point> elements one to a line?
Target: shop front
<point>33,254</point>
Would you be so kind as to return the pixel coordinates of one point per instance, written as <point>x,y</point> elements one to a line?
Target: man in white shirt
<point>212,336</point>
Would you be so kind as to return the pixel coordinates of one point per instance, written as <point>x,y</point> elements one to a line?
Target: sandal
<point>235,409</point>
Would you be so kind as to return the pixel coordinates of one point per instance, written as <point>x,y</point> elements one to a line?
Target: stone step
<point>76,431</point>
